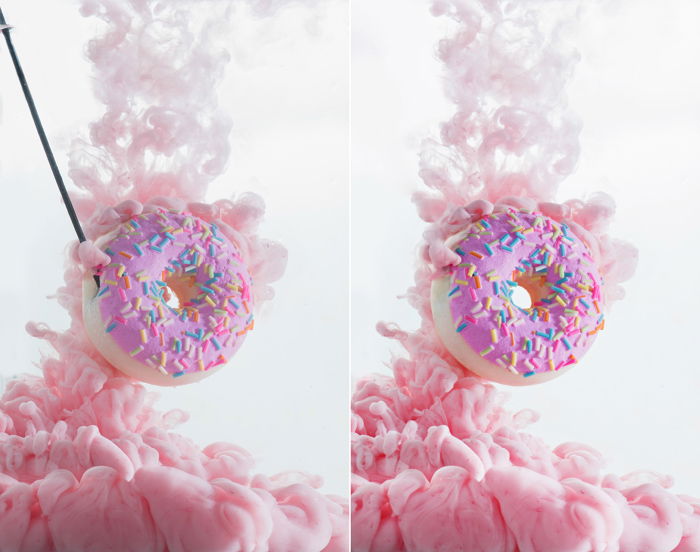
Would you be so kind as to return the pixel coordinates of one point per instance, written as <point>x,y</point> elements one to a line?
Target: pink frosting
<point>152,250</point>
<point>500,251</point>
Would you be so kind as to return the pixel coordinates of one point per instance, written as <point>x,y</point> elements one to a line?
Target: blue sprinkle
<point>178,374</point>
<point>138,249</point>
<point>455,290</point>
<point>111,327</point>
<point>212,252</point>
<point>163,242</point>
<point>566,343</point>
<point>155,248</point>
<point>535,252</point>
<point>529,346</point>
<point>557,289</point>
<point>169,236</point>
<point>510,249</point>
<point>215,343</point>
<point>504,237</point>
<point>562,250</point>
<point>528,374</point>
<point>585,304</point>
<point>109,252</point>
<point>511,283</point>
<point>485,224</point>
<point>495,288</point>
<point>103,291</point>
<point>458,250</point>
<point>542,334</point>
<point>161,283</point>
<point>461,327</point>
<point>191,334</point>
<point>134,224</point>
<point>145,288</point>
<point>154,238</point>
<point>235,305</point>
<point>178,345</point>
<point>488,249</point>
<point>152,314</point>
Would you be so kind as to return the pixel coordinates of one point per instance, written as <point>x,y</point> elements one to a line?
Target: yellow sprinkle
<point>551,364</point>
<point>163,358</point>
<point>201,364</point>
<point>494,336</point>
<point>110,282</point>
<point>472,270</point>
<point>560,301</point>
<point>209,300</point>
<point>144,336</point>
<point>513,358</point>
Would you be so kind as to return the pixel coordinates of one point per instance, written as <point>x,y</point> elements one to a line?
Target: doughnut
<point>174,302</point>
<point>475,304</point>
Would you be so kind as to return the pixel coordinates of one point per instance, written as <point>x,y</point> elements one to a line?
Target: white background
<point>284,396</point>
<point>637,89</point>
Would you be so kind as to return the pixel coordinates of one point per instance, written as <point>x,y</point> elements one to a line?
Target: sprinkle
<point>486,351</point>
<point>111,327</point>
<point>136,351</point>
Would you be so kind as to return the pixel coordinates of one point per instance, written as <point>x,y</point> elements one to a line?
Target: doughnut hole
<point>180,290</point>
<point>530,291</point>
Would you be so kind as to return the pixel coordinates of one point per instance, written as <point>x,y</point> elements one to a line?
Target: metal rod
<point>42,136</point>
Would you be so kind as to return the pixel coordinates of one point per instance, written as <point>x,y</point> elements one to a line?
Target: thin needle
<point>42,136</point>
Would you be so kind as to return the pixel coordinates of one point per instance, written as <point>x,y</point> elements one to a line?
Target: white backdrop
<point>284,396</point>
<point>635,394</point>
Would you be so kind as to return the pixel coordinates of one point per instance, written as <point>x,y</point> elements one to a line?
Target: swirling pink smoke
<point>439,464</point>
<point>87,463</point>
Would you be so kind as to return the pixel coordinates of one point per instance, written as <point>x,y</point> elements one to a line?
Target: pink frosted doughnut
<point>131,319</point>
<point>473,305</point>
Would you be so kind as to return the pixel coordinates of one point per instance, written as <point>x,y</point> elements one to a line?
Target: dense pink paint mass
<point>439,464</point>
<point>87,464</point>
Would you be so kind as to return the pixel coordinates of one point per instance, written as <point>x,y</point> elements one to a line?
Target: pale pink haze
<point>439,464</point>
<point>87,463</point>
